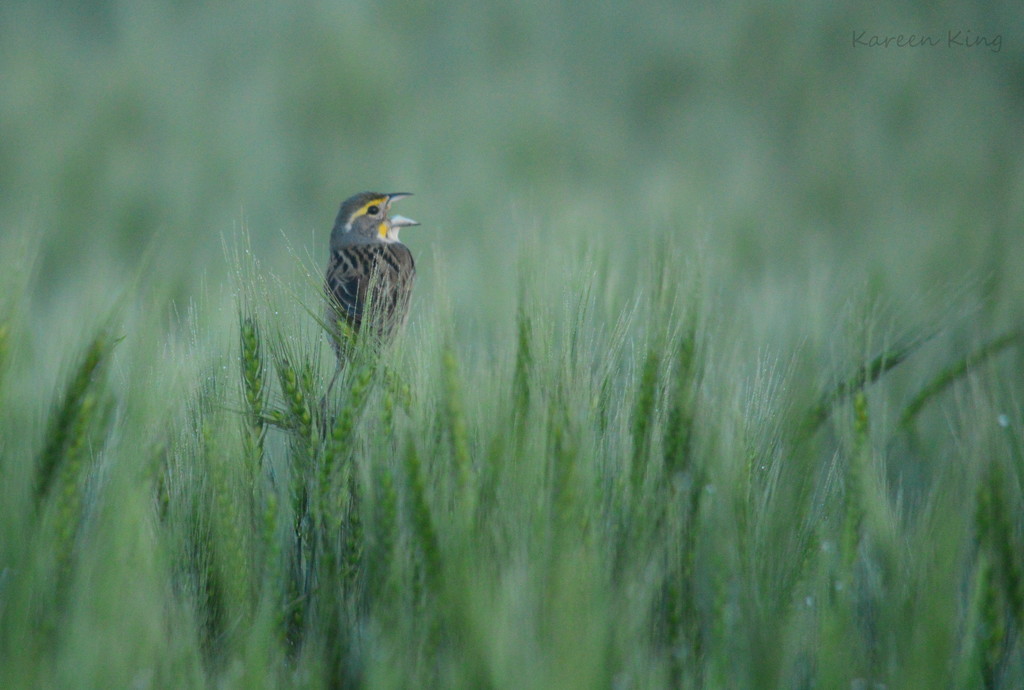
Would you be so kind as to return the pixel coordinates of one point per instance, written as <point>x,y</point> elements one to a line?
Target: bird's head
<point>368,215</point>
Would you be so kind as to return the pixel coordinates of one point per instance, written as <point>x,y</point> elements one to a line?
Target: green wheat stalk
<point>254,388</point>
<point>387,412</point>
<point>69,487</point>
<point>564,479</point>
<point>992,622</point>
<point>423,527</point>
<point>271,542</point>
<point>867,373</point>
<point>455,418</point>
<point>387,530</point>
<point>953,373</point>
<point>853,499</point>
<point>75,426</point>
<point>685,636</point>
<point>679,424</point>
<point>524,362</point>
<point>353,558</point>
<point>232,540</point>
<point>643,418</point>
<point>997,573</point>
<point>996,530</point>
<point>300,422</point>
<point>295,400</point>
<point>67,431</point>
<point>343,429</point>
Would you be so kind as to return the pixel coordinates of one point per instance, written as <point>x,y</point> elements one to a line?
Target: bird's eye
<point>373,210</point>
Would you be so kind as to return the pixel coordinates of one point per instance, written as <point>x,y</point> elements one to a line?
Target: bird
<point>370,272</point>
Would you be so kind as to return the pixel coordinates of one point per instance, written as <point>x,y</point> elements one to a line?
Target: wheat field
<point>712,378</point>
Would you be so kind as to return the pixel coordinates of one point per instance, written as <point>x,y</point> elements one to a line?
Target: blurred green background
<point>138,138</point>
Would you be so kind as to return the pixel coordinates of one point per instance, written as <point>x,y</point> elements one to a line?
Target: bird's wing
<point>389,267</point>
<point>402,269</point>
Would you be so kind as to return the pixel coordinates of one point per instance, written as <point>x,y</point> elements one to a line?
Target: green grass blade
<point>957,371</point>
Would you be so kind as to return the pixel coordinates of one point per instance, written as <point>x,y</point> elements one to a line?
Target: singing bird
<point>370,273</point>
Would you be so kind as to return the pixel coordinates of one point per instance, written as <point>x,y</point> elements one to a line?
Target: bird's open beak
<point>400,221</point>
<point>397,195</point>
